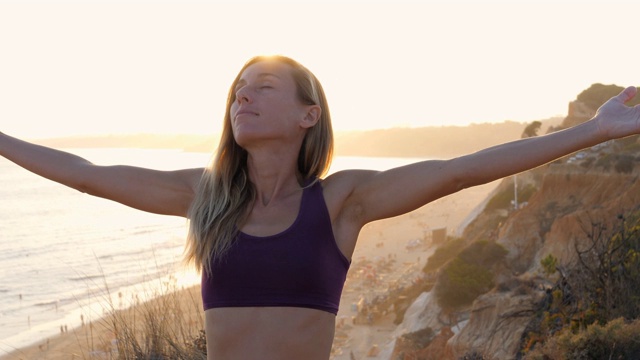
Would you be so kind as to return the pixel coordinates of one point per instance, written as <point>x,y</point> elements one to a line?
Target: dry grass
<point>167,327</point>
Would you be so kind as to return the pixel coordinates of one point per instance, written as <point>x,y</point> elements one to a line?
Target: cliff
<point>569,196</point>
<point>557,217</point>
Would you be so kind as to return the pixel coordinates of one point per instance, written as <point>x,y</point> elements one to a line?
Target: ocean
<point>67,258</point>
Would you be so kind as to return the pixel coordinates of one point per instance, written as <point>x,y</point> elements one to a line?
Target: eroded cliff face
<point>558,216</point>
<point>561,212</point>
<point>496,325</point>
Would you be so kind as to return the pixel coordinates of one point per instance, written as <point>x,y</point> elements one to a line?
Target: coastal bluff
<point>566,199</point>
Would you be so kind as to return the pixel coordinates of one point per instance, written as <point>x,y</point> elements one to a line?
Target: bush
<point>468,275</point>
<point>461,283</point>
<point>483,253</point>
<point>624,164</point>
<point>549,264</point>
<point>615,340</point>
<point>605,162</point>
<point>443,254</point>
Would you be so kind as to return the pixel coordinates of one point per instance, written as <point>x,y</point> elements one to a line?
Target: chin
<point>244,139</point>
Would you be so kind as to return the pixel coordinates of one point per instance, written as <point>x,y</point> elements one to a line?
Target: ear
<point>312,116</point>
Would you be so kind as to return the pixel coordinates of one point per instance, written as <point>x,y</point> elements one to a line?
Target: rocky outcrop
<point>578,112</point>
<point>496,325</point>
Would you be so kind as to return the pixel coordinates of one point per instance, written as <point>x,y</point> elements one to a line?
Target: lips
<point>245,112</point>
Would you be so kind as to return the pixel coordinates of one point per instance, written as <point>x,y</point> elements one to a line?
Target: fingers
<point>627,94</point>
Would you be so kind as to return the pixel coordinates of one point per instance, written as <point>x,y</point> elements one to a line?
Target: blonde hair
<point>225,192</point>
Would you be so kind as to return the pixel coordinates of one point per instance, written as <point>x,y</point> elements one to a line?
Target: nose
<point>242,95</point>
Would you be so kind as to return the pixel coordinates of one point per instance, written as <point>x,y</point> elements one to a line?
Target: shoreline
<point>96,339</point>
<point>387,238</point>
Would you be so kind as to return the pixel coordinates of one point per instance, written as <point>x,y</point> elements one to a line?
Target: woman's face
<point>266,106</point>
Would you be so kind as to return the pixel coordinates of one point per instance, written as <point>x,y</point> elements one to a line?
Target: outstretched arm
<point>161,192</point>
<point>377,195</point>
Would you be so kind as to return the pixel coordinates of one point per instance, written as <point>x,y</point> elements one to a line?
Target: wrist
<point>596,130</point>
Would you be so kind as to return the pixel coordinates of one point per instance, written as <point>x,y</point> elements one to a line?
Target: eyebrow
<point>259,77</point>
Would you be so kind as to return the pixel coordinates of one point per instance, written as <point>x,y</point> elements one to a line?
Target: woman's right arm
<point>160,192</point>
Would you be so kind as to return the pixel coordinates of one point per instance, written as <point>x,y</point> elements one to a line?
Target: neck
<point>274,174</point>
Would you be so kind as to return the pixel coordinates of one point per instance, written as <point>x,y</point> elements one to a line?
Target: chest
<point>273,219</point>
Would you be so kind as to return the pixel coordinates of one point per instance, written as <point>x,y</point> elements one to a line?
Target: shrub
<point>461,283</point>
<point>468,275</point>
<point>443,254</point>
<point>483,253</point>
<point>605,162</point>
<point>615,340</point>
<point>624,164</point>
<point>549,264</point>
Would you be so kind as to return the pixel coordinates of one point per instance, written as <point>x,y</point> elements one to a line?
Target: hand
<point>615,119</point>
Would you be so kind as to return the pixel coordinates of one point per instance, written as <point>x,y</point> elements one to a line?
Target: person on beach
<point>272,237</point>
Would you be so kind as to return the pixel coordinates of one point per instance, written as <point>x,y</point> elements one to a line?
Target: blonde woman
<point>272,237</point>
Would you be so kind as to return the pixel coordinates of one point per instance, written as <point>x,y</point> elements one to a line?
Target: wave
<point>87,277</point>
<point>47,303</point>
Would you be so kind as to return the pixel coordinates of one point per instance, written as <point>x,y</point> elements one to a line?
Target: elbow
<point>86,179</point>
<point>82,189</point>
<point>82,184</point>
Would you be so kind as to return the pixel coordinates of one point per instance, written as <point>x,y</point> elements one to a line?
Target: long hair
<point>225,192</point>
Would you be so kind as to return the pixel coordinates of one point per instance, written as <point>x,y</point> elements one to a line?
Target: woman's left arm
<point>378,195</point>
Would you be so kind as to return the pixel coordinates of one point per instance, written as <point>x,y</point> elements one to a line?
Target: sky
<point>116,67</point>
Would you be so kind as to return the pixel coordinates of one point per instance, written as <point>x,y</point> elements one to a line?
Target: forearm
<point>50,163</point>
<point>524,154</point>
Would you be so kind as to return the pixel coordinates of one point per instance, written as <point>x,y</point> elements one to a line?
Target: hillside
<point>565,259</point>
<point>572,202</point>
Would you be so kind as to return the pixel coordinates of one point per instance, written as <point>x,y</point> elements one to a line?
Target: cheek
<point>232,110</point>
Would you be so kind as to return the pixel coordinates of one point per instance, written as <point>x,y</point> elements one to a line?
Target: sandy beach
<point>384,241</point>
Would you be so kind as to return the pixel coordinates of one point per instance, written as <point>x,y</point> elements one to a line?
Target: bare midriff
<point>267,333</point>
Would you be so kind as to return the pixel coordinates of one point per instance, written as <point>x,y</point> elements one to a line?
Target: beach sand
<point>385,239</point>
<point>389,238</point>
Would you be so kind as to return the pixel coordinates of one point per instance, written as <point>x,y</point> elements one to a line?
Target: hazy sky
<point>163,67</point>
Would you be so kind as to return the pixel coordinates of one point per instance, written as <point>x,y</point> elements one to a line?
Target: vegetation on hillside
<point>593,311</point>
<point>468,275</point>
<point>505,198</point>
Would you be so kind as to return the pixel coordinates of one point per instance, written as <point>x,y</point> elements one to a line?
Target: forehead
<point>266,69</point>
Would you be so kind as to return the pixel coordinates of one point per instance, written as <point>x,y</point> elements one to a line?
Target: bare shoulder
<point>339,187</point>
<point>346,181</point>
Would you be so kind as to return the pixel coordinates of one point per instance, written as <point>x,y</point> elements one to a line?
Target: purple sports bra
<point>299,267</point>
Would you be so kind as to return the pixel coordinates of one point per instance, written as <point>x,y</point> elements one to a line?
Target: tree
<point>531,130</point>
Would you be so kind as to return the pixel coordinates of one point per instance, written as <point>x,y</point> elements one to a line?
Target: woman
<point>274,239</point>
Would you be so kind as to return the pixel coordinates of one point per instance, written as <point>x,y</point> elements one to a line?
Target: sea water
<point>67,258</point>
